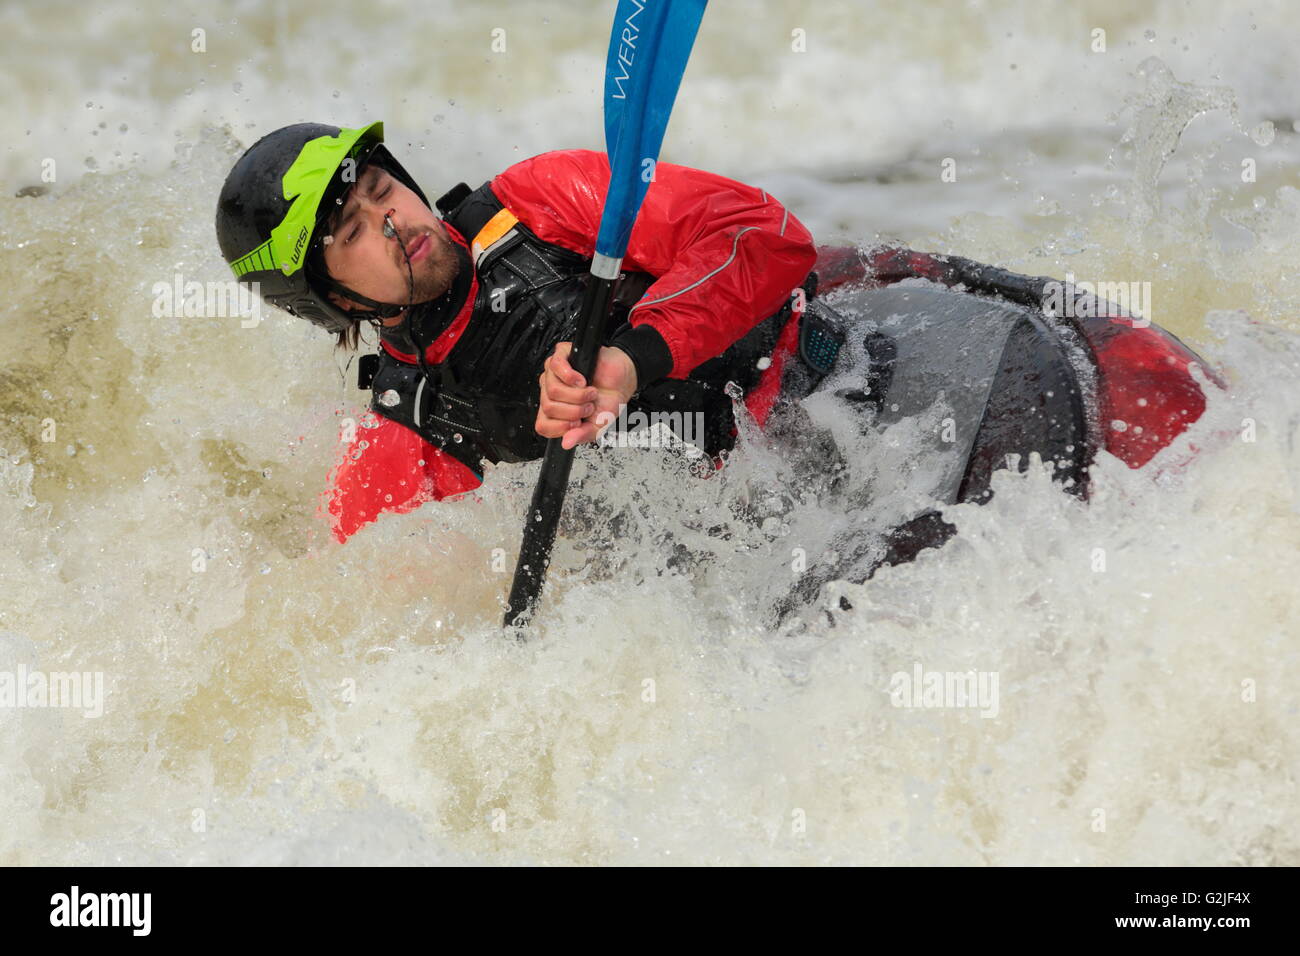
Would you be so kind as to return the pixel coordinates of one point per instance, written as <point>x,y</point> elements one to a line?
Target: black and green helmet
<point>275,199</point>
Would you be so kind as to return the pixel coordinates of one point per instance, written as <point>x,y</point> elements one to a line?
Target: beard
<point>440,278</point>
<point>434,276</point>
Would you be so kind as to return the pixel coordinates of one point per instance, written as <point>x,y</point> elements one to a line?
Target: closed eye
<point>356,230</point>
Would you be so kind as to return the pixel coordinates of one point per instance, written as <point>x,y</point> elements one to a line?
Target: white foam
<point>275,698</point>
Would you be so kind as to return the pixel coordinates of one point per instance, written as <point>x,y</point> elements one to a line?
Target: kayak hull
<point>994,375</point>
<point>1148,382</point>
<point>1003,381</point>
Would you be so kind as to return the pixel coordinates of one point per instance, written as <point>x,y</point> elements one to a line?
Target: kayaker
<point>475,310</point>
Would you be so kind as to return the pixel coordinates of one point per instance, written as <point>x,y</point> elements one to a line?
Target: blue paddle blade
<point>648,49</point>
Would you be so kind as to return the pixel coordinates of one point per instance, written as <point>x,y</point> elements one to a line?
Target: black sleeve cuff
<point>648,351</point>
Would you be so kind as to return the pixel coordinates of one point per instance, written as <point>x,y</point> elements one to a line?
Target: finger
<point>566,411</point>
<point>559,373</point>
<point>559,366</point>
<point>551,427</point>
<point>557,392</point>
<point>560,369</point>
<point>596,419</point>
<point>575,436</point>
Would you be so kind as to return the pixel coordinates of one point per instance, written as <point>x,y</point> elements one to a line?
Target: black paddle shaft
<point>548,497</point>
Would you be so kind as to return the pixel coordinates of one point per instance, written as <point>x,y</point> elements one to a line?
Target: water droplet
<point>91,163</point>
<point>1263,133</point>
<point>1150,36</point>
<point>458,438</point>
<point>264,568</point>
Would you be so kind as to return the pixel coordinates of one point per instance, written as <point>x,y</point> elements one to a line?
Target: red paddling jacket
<point>709,272</point>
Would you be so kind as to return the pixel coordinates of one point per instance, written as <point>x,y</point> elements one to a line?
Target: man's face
<point>362,258</point>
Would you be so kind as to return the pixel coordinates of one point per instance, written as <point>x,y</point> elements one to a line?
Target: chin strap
<point>376,310</point>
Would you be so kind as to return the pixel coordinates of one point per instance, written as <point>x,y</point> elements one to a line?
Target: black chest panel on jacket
<point>480,403</point>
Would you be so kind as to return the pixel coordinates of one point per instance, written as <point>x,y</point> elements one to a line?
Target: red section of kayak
<point>1145,388</point>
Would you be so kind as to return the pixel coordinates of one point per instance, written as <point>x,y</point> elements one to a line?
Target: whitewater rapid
<point>274,697</point>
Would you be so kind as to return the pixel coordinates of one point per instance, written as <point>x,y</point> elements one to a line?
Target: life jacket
<point>480,403</point>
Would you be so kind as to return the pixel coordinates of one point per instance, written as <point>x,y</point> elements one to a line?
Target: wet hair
<point>349,340</point>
